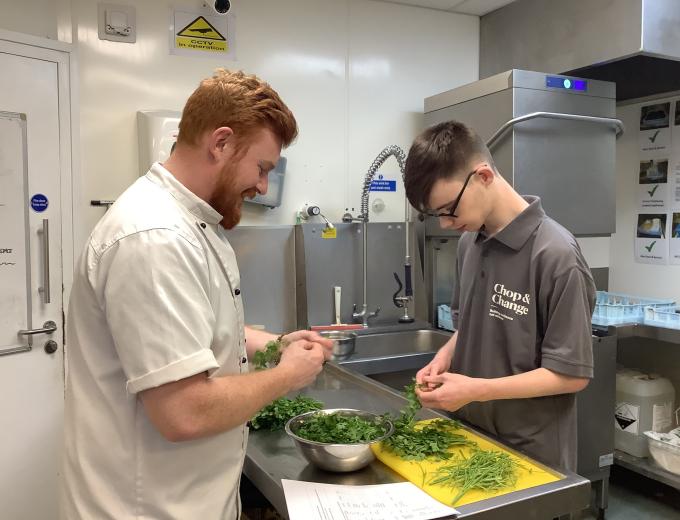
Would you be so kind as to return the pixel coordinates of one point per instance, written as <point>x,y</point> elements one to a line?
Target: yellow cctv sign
<point>201,35</point>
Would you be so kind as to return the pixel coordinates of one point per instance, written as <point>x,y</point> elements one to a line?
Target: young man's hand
<point>440,364</point>
<point>312,336</point>
<point>449,391</point>
<point>303,360</point>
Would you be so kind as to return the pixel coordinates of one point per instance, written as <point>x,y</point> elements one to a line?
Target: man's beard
<point>226,200</point>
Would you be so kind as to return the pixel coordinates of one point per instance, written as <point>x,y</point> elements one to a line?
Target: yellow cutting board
<point>421,472</point>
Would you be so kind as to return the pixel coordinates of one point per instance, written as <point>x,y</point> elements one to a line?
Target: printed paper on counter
<point>399,501</point>
<point>651,243</point>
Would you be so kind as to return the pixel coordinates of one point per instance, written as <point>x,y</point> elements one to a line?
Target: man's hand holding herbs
<point>311,336</point>
<point>302,361</point>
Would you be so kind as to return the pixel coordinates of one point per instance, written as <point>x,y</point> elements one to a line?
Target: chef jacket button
<point>237,291</point>
<point>244,359</point>
<point>203,225</point>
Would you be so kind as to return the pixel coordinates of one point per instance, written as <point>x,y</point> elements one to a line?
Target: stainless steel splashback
<point>634,43</point>
<point>266,261</point>
<point>322,264</point>
<point>288,273</point>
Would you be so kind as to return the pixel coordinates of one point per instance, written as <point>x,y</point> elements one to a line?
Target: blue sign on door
<point>39,202</point>
<point>382,185</point>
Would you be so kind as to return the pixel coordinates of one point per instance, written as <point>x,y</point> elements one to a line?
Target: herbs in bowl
<point>275,415</point>
<point>338,439</point>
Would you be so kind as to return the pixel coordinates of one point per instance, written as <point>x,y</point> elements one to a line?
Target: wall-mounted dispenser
<point>157,131</point>
<point>272,199</point>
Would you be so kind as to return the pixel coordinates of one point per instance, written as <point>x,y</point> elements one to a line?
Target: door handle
<point>48,328</point>
<point>45,289</point>
<point>616,123</point>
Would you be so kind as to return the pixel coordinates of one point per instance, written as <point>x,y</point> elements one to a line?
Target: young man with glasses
<point>523,296</point>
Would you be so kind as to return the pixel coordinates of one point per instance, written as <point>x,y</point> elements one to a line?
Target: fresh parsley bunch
<point>432,440</point>
<point>336,428</point>
<point>270,356</point>
<point>274,416</point>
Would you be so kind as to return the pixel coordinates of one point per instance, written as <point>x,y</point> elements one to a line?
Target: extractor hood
<point>634,43</point>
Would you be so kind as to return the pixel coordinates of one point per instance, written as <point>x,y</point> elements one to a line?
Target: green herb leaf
<point>274,416</point>
<point>269,357</point>
<point>336,428</point>
<point>432,440</point>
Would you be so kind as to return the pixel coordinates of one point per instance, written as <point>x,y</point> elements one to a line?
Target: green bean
<point>484,470</point>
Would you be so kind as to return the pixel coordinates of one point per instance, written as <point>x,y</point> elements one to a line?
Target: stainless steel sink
<point>394,351</point>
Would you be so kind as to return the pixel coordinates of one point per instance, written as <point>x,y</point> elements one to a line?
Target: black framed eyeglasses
<point>453,205</point>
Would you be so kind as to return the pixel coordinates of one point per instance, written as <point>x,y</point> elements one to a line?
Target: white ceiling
<point>475,7</point>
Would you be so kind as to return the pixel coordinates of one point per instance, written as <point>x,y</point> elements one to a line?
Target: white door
<point>31,295</point>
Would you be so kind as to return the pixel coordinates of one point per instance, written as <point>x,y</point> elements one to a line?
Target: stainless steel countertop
<point>272,456</point>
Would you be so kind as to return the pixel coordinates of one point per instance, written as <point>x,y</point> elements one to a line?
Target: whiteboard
<point>15,283</point>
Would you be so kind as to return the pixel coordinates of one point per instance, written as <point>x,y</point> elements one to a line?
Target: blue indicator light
<point>566,83</point>
<point>579,84</point>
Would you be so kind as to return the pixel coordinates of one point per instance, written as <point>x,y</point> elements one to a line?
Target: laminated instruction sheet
<point>657,231</point>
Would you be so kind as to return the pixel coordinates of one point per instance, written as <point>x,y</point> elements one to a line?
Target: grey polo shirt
<point>525,298</point>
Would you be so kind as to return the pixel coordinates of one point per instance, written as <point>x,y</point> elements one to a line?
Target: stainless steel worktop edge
<point>272,456</point>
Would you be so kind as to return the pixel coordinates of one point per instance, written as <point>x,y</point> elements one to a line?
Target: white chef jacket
<point>155,299</point>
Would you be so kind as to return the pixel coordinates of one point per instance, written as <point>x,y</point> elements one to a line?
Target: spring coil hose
<point>398,154</point>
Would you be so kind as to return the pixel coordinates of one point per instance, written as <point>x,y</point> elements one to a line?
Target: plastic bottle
<point>643,403</point>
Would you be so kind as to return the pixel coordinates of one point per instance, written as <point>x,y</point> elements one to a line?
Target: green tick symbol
<point>653,138</point>
<point>653,190</point>
<point>650,246</point>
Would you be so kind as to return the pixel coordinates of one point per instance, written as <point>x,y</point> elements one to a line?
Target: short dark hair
<point>442,151</point>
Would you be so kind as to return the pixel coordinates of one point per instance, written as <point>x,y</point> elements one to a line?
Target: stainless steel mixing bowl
<point>336,457</point>
<point>343,342</point>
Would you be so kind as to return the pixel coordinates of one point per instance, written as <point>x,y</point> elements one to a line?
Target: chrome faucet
<point>400,156</point>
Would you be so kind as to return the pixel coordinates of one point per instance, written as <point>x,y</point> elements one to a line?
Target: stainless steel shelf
<point>647,467</point>
<point>638,330</point>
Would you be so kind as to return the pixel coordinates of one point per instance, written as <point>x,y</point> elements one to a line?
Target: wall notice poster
<point>651,244</point>
<point>675,239</point>
<point>657,233</point>
<point>674,166</point>
<point>655,140</point>
<point>202,34</point>
<point>653,184</point>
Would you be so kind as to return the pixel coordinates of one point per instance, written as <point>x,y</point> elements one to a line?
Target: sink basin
<point>395,351</point>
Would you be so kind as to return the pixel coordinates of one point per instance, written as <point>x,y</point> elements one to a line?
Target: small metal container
<point>343,342</point>
<point>336,457</point>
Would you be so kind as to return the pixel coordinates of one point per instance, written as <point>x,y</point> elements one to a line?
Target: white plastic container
<point>665,449</point>
<point>643,403</point>
<point>623,373</point>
